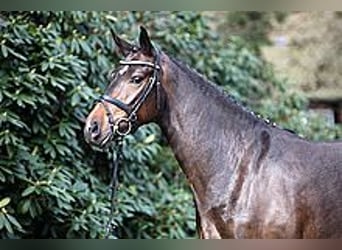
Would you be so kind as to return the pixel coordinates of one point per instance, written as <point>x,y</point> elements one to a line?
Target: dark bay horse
<point>249,179</point>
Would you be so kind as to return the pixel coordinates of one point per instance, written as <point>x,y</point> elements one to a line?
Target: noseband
<point>131,110</point>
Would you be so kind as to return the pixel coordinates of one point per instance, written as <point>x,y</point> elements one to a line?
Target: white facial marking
<point>123,70</point>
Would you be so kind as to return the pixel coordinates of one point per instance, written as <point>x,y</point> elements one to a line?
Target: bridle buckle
<point>117,128</point>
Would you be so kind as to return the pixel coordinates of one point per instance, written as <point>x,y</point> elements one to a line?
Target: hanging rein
<point>118,133</point>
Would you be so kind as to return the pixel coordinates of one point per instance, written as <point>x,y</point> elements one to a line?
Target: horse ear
<point>145,42</point>
<point>123,47</point>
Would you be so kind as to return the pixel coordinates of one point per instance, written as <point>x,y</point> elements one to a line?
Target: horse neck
<point>206,130</point>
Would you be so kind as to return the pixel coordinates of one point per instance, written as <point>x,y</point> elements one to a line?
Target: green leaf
<point>25,206</point>
<point>4,202</point>
<point>85,47</point>
<point>75,99</point>
<point>149,139</point>
<point>19,56</point>
<point>2,177</point>
<point>8,225</point>
<point>13,221</point>
<point>4,50</point>
<point>2,220</point>
<point>28,191</point>
<point>44,66</point>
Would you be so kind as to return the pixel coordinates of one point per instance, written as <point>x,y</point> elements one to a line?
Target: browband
<point>137,62</point>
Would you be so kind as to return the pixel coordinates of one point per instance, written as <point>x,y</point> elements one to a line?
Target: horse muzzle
<point>97,135</point>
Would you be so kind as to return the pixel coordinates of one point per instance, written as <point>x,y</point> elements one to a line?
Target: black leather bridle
<point>132,109</point>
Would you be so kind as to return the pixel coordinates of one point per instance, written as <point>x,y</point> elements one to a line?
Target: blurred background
<point>286,66</point>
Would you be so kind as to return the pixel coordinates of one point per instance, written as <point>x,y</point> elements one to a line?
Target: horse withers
<point>249,179</point>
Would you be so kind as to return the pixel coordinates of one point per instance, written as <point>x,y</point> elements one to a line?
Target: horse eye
<point>135,49</point>
<point>136,79</point>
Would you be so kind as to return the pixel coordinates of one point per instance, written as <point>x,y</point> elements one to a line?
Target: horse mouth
<point>101,143</point>
<point>105,140</point>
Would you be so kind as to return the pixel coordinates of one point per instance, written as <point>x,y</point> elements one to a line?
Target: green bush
<point>48,64</point>
<point>52,66</point>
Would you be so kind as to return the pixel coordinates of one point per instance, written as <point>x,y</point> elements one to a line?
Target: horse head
<point>132,97</point>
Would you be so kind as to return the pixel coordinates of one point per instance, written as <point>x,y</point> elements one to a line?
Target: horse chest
<point>242,225</point>
<point>258,218</point>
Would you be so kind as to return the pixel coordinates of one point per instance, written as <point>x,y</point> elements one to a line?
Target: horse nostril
<point>94,129</point>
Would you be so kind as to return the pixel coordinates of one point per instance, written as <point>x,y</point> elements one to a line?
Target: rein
<point>130,120</point>
<point>115,168</point>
